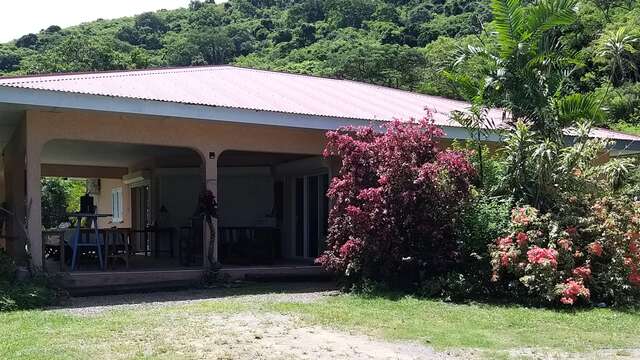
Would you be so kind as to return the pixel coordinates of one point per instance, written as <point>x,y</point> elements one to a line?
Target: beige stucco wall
<point>103,203</point>
<point>205,137</point>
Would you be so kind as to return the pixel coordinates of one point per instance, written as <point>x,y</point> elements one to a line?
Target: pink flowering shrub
<point>396,200</point>
<point>594,258</point>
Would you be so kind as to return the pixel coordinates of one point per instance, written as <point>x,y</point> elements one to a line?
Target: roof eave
<point>63,100</point>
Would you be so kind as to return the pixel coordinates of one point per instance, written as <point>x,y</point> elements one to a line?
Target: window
<point>311,214</point>
<point>116,205</point>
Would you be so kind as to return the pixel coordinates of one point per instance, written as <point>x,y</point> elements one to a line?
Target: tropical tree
<point>617,50</point>
<point>526,74</point>
<point>529,65</point>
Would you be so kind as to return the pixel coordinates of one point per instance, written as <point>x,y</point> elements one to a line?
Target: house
<point>151,140</point>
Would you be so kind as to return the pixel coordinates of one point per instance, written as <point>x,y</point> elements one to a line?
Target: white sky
<point>19,17</point>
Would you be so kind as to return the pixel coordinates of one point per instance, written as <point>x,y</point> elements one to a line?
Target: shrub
<point>7,268</point>
<point>14,295</point>
<point>483,220</point>
<point>548,260</point>
<point>396,203</point>
<point>27,295</point>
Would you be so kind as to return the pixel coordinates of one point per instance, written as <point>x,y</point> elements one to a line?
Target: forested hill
<point>400,43</point>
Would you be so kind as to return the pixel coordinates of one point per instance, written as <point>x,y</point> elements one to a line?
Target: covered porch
<point>272,208</point>
<point>145,180</point>
<point>144,197</point>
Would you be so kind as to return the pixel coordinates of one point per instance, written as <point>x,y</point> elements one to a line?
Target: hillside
<point>399,43</point>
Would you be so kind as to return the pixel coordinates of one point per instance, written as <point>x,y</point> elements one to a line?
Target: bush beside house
<point>565,231</point>
<point>397,200</point>
<point>16,294</point>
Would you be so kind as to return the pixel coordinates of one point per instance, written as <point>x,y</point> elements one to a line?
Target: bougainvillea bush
<point>592,258</point>
<point>396,200</point>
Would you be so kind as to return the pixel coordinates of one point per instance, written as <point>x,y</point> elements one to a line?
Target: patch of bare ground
<point>252,334</point>
<point>275,336</point>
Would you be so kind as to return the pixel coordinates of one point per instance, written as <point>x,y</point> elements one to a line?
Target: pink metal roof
<point>242,88</point>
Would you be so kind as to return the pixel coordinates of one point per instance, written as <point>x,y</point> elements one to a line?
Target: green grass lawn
<point>445,325</point>
<point>141,333</point>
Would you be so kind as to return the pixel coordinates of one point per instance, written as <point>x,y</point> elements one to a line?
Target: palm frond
<point>579,107</point>
<point>548,14</point>
<point>508,21</point>
<point>466,86</point>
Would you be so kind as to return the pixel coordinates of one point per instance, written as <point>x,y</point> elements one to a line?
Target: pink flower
<point>371,195</point>
<point>634,248</point>
<point>633,235</point>
<point>572,290</point>
<point>571,230</point>
<point>522,239</point>
<point>634,278</point>
<point>505,260</point>
<point>582,272</point>
<point>350,248</point>
<point>628,262</point>
<point>595,248</point>
<point>565,244</point>
<point>566,300</point>
<point>355,212</point>
<point>543,256</point>
<point>520,216</point>
<point>504,243</point>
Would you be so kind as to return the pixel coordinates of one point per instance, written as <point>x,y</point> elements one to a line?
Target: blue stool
<point>77,238</point>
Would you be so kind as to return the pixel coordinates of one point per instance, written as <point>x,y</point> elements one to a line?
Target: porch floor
<point>95,281</point>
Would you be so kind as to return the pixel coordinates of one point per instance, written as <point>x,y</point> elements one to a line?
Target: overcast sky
<point>19,17</point>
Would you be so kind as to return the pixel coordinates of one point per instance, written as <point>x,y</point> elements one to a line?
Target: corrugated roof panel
<point>242,88</point>
<point>235,87</point>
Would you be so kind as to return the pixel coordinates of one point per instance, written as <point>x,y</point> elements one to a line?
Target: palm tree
<point>617,49</point>
<point>527,75</point>
<point>530,67</point>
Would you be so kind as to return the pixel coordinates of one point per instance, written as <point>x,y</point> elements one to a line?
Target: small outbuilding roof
<point>233,87</point>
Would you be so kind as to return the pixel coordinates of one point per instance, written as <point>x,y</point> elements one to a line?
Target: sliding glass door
<point>311,214</point>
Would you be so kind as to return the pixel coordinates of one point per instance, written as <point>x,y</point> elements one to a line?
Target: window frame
<point>117,206</point>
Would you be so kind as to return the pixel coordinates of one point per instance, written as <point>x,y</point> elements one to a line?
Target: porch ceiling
<point>74,152</point>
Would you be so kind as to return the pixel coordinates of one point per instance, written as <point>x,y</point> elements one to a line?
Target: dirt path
<point>269,336</point>
<point>272,336</point>
<point>249,335</point>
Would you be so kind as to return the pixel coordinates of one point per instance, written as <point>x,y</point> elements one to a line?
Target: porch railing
<point>249,245</point>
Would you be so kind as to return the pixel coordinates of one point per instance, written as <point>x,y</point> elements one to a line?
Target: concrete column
<point>211,183</point>
<point>34,200</point>
<point>14,158</point>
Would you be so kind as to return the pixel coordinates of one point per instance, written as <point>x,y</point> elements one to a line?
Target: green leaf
<point>578,107</point>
